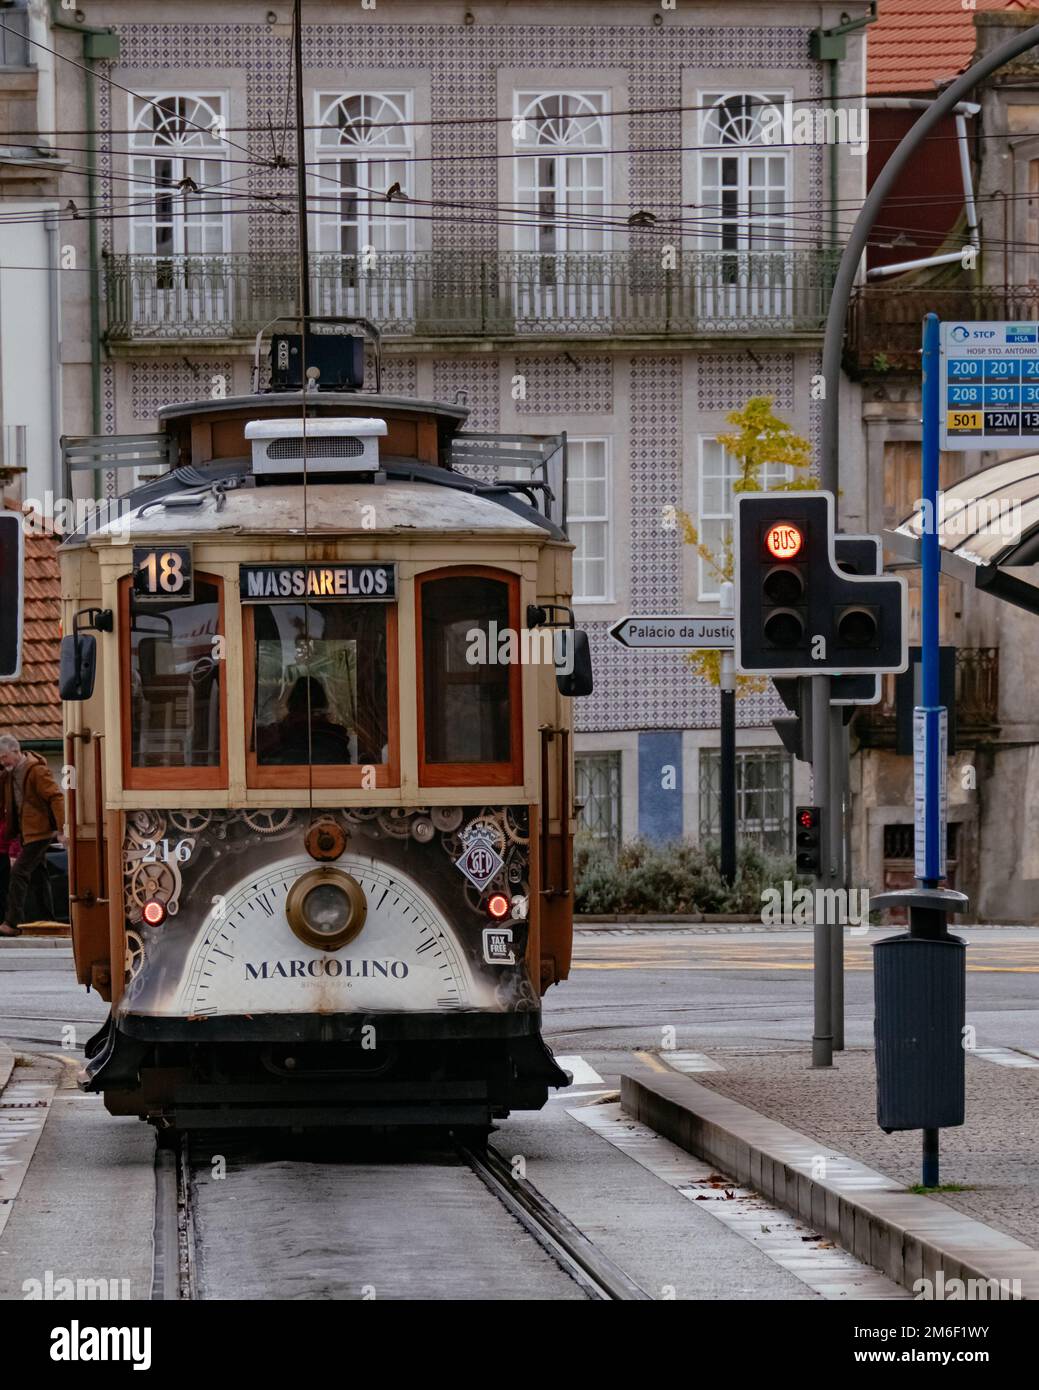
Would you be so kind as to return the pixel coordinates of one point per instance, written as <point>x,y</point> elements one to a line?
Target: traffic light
<point>808,845</point>
<point>798,612</point>
<point>12,598</point>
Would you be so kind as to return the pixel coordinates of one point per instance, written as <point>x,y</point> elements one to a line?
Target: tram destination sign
<point>290,583</point>
<point>675,632</point>
<point>989,386</point>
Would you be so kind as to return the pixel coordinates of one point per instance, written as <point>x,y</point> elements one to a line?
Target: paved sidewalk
<point>995,1153</point>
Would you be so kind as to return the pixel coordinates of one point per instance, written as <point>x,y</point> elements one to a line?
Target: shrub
<point>675,877</point>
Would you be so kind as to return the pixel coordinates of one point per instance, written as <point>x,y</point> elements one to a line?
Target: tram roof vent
<point>327,446</point>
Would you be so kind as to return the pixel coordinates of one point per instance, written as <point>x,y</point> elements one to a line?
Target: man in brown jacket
<point>34,804</point>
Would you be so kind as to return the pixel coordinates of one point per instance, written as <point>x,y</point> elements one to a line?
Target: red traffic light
<point>808,817</point>
<point>784,540</point>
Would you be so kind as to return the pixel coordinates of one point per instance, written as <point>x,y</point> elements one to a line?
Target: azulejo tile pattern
<point>567,384</point>
<point>477,379</point>
<point>724,380</point>
<point>155,384</point>
<point>461,63</point>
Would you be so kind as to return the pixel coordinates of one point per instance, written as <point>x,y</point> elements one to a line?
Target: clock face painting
<point>396,923</point>
<point>248,960</point>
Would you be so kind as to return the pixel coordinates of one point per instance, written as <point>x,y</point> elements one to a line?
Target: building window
<point>363,145</point>
<point>743,181</point>
<point>562,180</point>
<point>764,797</point>
<point>719,470</point>
<point>177,144</point>
<point>15,49</point>
<point>597,779</point>
<point>588,517</point>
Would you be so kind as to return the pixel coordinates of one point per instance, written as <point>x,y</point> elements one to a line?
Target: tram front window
<point>468,703</point>
<point>320,693</point>
<point>175,681</point>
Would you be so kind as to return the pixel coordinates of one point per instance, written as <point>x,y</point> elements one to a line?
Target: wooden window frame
<point>323,775</point>
<point>507,774</point>
<point>168,778</point>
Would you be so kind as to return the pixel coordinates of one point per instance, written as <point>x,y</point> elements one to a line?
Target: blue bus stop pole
<point>930,693</point>
<point>929,602</point>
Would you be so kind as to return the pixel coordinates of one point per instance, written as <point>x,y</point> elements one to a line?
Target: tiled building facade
<point>593,236</point>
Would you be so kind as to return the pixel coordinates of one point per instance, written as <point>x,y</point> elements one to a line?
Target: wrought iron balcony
<point>977,702</point>
<point>885,322</point>
<point>460,294</point>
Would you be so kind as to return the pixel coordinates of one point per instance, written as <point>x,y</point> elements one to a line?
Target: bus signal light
<point>783,540</point>
<point>808,838</point>
<point>800,611</point>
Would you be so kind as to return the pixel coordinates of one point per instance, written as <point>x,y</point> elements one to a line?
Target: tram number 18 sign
<point>163,574</point>
<point>990,386</point>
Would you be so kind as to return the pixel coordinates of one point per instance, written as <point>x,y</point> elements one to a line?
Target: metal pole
<point>728,746</point>
<point>929,1167</point>
<point>822,1037</point>
<point>930,580</point>
<point>301,164</point>
<point>835,859</point>
<point>728,783</point>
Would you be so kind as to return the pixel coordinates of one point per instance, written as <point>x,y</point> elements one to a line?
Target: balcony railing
<point>885,323</point>
<point>462,294</point>
<point>977,701</point>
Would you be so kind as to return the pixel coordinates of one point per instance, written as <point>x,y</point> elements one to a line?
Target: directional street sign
<point>715,634</point>
<point>989,386</point>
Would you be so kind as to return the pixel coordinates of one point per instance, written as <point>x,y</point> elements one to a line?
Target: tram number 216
<point>163,574</point>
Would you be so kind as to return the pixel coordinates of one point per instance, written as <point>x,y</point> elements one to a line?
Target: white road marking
<point>583,1074</point>
<point>689,1062</point>
<point>1005,1056</point>
<point>824,1267</point>
<point>572,1094</point>
<point>24,1107</point>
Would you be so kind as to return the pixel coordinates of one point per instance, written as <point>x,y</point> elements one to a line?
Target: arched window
<point>470,729</point>
<point>743,176</point>
<point>363,141</point>
<point>174,693</point>
<point>177,145</point>
<point>564,175</point>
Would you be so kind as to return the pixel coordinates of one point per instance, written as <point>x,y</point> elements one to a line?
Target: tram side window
<point>320,693</point>
<point>175,681</point>
<point>468,701</point>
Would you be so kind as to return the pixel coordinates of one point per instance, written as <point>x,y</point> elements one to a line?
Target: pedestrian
<point>34,810</point>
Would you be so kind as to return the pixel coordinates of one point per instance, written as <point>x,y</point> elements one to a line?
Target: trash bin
<point>920,989</point>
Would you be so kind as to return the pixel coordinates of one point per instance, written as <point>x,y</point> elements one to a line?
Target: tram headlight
<point>326,908</point>
<point>154,912</point>
<point>498,905</point>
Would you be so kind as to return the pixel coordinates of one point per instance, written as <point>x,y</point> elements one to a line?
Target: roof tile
<point>916,43</point>
<point>29,707</point>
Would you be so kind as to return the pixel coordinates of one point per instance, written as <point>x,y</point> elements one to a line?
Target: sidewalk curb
<point>6,1065</point>
<point>907,1237</point>
<point>24,942</point>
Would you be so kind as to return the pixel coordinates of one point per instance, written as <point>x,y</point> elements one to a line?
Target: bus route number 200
<point>163,573</point>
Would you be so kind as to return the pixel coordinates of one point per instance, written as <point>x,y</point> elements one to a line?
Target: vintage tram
<point>318,680</point>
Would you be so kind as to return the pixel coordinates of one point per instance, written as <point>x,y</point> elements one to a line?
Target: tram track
<point>179,1254</point>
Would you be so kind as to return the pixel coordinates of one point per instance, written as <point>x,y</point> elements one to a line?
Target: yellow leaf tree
<point>758,438</point>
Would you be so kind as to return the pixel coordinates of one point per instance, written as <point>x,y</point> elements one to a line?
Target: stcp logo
<point>479,860</point>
